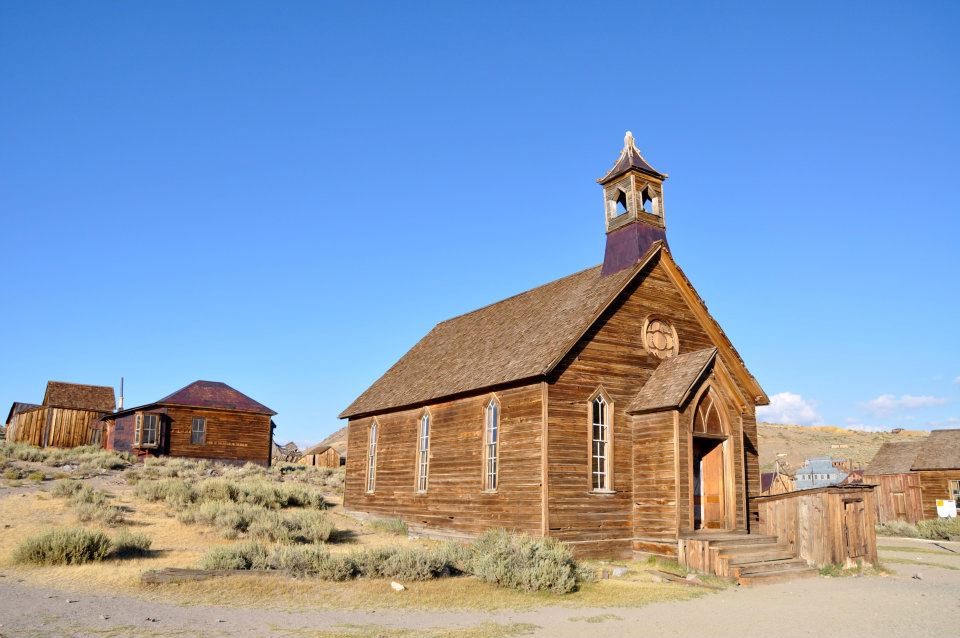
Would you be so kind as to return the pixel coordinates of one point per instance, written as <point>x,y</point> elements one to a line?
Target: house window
<point>491,439</point>
<point>621,203</point>
<point>600,444</point>
<point>423,452</point>
<point>955,490</point>
<point>372,458</point>
<point>198,431</point>
<point>147,430</point>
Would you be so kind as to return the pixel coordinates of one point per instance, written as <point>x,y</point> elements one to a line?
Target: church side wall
<point>455,500</point>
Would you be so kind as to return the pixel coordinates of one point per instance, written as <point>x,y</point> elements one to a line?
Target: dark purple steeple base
<point>625,246</point>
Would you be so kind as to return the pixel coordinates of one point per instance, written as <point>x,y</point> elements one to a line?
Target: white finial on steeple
<point>628,140</point>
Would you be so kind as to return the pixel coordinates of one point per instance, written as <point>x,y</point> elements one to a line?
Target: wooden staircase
<point>751,559</point>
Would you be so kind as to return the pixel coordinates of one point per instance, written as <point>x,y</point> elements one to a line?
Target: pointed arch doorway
<point>711,472</point>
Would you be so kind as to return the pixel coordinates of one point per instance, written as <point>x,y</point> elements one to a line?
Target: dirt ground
<point>899,604</point>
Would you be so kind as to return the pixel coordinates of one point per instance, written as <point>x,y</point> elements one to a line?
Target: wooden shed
<point>206,419</point>
<point>898,494</point>
<point>322,456</point>
<point>607,409</point>
<point>68,416</point>
<point>938,467</point>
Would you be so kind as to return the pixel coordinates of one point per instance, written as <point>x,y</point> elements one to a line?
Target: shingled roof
<point>216,395</point>
<point>894,457</point>
<point>18,407</point>
<point>672,381</point>
<point>77,396</point>
<point>521,337</point>
<point>940,451</point>
<point>630,158</point>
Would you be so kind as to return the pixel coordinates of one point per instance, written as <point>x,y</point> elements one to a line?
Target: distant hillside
<point>799,442</point>
<point>337,440</point>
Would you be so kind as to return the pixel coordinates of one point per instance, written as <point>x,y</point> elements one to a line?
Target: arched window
<point>707,419</point>
<point>491,443</point>
<point>372,457</point>
<point>600,448</point>
<point>423,452</point>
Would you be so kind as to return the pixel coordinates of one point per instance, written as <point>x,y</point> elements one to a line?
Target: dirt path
<point>892,606</point>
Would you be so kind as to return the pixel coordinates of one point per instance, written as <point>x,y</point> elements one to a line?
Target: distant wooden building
<point>206,419</point>
<point>776,482</point>
<point>607,409</point>
<point>68,416</point>
<point>322,456</point>
<point>911,476</point>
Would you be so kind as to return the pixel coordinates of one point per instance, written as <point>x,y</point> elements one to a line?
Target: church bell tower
<point>633,208</point>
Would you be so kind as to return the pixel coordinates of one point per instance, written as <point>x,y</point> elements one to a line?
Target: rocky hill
<point>794,443</point>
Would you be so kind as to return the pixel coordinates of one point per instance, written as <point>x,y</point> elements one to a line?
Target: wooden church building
<point>607,408</point>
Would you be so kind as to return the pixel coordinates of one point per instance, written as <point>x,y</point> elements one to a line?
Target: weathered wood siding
<point>120,433</point>
<point>455,500</point>
<point>328,458</point>
<point>647,459</point>
<point>824,526</point>
<point>53,427</point>
<point>898,497</point>
<point>230,436</point>
<point>935,485</point>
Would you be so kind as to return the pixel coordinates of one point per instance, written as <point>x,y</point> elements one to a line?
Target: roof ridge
<point>86,385</point>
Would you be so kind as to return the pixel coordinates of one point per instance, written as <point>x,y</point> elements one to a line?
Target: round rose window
<point>660,338</point>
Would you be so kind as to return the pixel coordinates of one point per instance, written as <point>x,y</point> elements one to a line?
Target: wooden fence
<point>824,526</point>
<point>53,427</point>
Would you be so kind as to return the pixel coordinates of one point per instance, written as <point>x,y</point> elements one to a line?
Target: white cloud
<point>788,407</point>
<point>861,427</point>
<point>957,381</point>
<point>886,404</point>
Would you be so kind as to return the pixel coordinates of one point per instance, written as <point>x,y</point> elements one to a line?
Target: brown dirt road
<point>878,606</point>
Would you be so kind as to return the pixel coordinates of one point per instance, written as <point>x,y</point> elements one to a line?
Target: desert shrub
<point>296,527</point>
<point>933,529</point>
<point>417,563</point>
<point>898,528</point>
<point>36,476</point>
<point>177,493</point>
<point>88,495</point>
<point>109,515</point>
<point>230,519</point>
<point>312,560</point>
<point>216,490</point>
<point>523,562</point>
<point>21,452</point>
<point>129,545</point>
<point>390,526</point>
<point>65,488</point>
<point>11,474</point>
<point>248,555</point>
<point>62,547</point>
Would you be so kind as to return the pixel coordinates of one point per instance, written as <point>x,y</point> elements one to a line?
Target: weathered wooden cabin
<point>206,420</point>
<point>322,456</point>
<point>67,417</point>
<point>607,408</point>
<point>912,476</point>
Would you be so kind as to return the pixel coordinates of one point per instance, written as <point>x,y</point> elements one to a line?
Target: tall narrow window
<point>423,452</point>
<point>491,439</point>
<point>198,431</point>
<point>600,444</point>
<point>372,458</point>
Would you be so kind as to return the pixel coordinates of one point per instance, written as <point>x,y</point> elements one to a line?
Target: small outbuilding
<point>322,456</point>
<point>938,466</point>
<point>206,419</point>
<point>67,417</point>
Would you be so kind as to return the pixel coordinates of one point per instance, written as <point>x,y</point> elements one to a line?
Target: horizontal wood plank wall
<point>889,485</point>
<point>611,354</point>
<point>230,435</point>
<point>64,427</point>
<point>455,500</point>
<point>935,485</point>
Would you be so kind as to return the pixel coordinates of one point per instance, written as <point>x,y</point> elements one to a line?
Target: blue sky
<point>286,196</point>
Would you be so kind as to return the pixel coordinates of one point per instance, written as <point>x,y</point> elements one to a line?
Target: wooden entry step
<point>749,558</point>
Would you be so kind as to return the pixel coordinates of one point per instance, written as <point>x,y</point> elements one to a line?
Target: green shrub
<point>524,562</point>
<point>312,560</point>
<point>390,526</point>
<point>36,476</point>
<point>297,527</point>
<point>933,529</point>
<point>130,545</point>
<point>229,519</point>
<point>11,474</point>
<point>63,547</point>
<point>102,513</point>
<point>248,555</point>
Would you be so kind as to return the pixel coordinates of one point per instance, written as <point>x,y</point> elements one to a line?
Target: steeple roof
<point>630,158</point>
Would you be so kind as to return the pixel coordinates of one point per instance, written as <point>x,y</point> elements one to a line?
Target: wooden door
<point>712,488</point>
<point>854,520</point>
<point>899,506</point>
